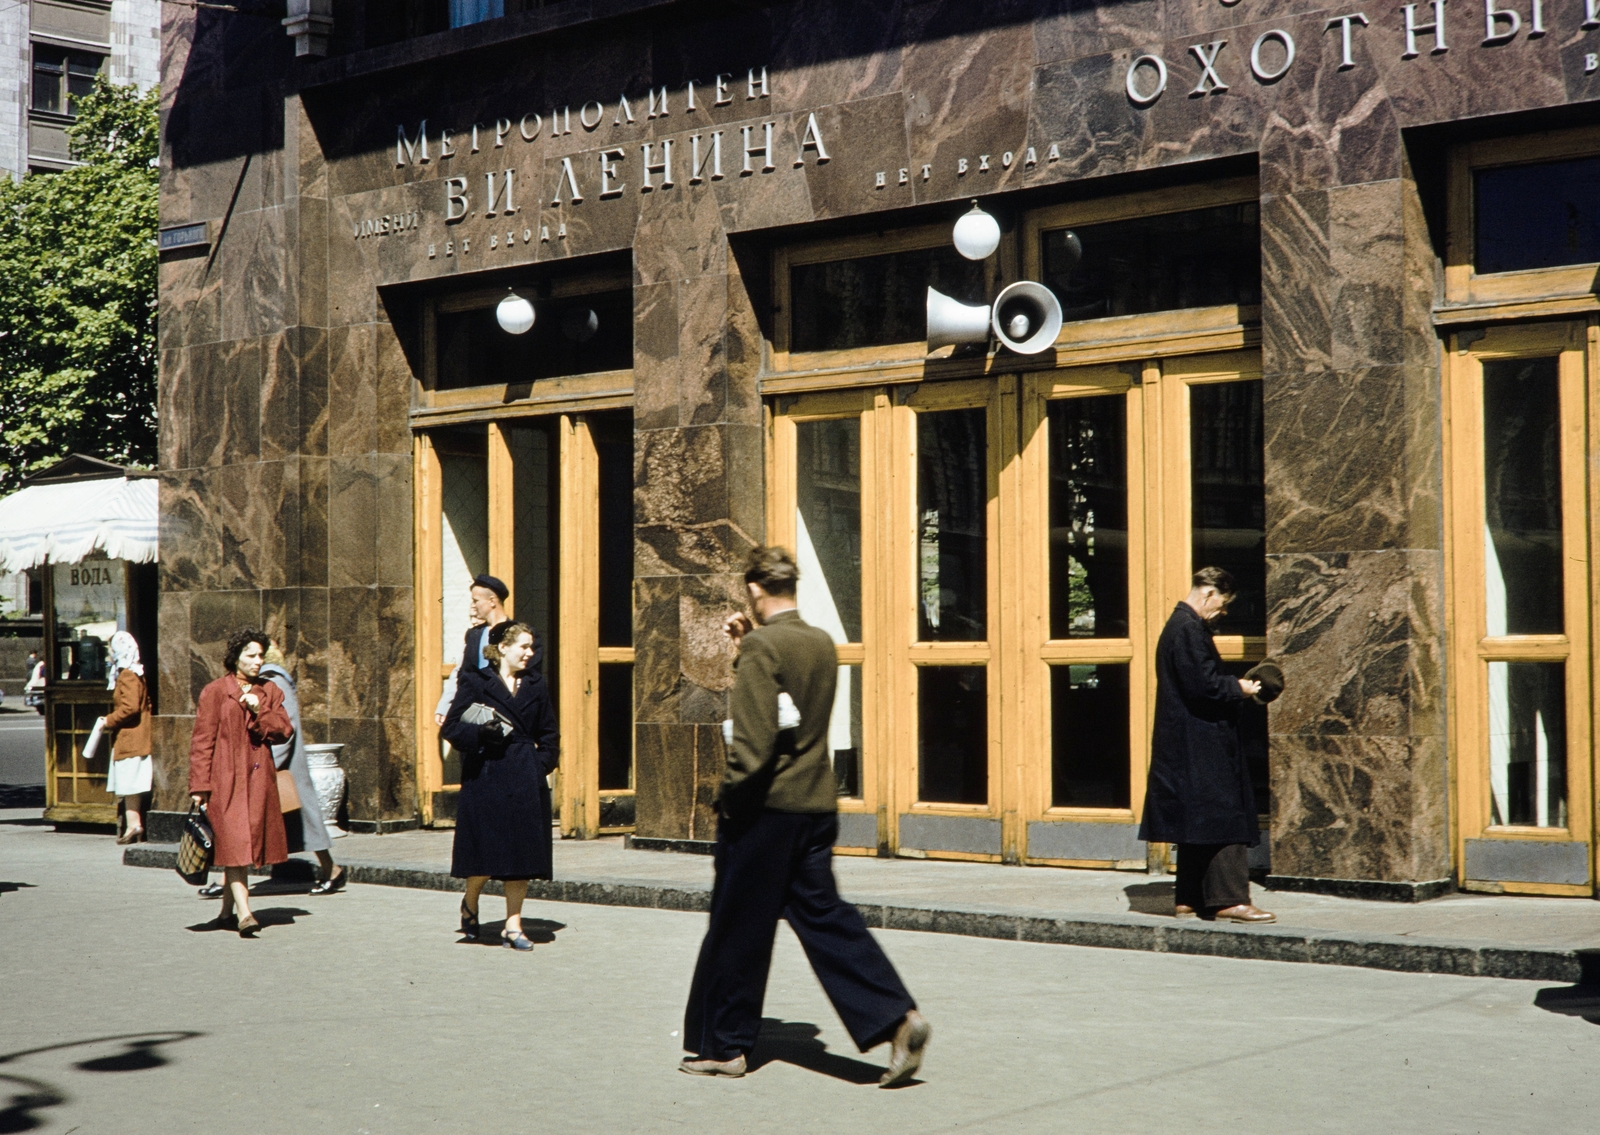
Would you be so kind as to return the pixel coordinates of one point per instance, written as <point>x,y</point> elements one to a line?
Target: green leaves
<point>78,269</point>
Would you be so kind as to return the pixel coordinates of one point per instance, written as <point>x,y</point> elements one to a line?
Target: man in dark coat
<point>774,856</point>
<point>1199,794</point>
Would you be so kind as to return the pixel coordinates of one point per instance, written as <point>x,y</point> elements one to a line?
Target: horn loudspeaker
<point>1027,317</point>
<point>951,322</point>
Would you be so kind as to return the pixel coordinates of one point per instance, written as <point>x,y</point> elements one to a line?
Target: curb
<point>1149,933</point>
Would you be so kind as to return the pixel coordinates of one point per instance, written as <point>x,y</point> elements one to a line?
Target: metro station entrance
<point>996,542</point>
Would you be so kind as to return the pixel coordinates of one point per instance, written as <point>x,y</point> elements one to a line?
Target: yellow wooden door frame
<point>1573,343</point>
<point>428,560</point>
<point>1037,652</point>
<point>997,396</point>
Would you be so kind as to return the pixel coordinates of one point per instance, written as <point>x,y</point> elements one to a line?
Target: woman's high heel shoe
<point>469,921</point>
<point>515,940</point>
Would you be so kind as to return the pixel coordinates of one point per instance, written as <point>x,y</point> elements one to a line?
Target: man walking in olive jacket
<point>774,854</point>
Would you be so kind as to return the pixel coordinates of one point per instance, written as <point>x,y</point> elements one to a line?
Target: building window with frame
<point>62,77</point>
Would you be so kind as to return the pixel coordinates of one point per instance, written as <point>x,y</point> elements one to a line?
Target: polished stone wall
<point>285,446</point>
<point>285,477</point>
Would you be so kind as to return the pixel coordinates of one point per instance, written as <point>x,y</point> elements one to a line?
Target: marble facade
<point>286,444</point>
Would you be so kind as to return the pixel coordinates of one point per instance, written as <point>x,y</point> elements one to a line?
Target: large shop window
<point>1520,539</point>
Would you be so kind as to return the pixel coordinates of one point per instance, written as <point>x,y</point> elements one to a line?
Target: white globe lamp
<point>977,234</point>
<point>514,313</point>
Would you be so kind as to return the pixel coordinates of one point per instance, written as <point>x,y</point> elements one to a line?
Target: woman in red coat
<point>231,774</point>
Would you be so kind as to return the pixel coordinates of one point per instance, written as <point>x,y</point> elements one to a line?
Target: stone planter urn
<point>329,781</point>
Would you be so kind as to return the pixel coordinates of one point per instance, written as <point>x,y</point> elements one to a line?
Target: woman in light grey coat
<point>311,832</point>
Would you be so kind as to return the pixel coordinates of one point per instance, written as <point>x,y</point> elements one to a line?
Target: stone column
<point>698,502</point>
<point>1354,524</point>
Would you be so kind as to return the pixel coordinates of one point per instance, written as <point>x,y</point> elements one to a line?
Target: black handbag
<point>195,848</point>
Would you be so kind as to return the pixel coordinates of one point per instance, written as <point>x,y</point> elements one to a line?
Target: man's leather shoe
<point>1244,912</point>
<point>1179,910</point>
<point>732,1068</point>
<point>905,1056</point>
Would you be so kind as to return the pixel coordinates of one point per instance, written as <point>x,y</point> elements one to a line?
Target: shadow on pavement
<point>799,1043</point>
<point>4,887</point>
<point>141,1052</point>
<point>267,916</point>
<point>1571,1001</point>
<point>18,1112</point>
<point>1151,898</point>
<point>540,931</point>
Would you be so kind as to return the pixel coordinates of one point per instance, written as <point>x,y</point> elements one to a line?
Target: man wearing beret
<point>488,596</point>
<point>1199,794</point>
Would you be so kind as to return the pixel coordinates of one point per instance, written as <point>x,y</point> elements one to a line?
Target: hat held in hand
<point>1271,679</point>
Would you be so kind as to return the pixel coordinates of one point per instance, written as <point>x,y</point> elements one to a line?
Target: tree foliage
<point>78,294</point>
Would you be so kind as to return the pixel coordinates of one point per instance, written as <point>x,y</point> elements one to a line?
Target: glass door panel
<point>1088,531</point>
<point>952,537</point>
<point>1522,497</point>
<point>827,546</point>
<point>952,603</point>
<point>823,454</point>
<point>1227,496</point>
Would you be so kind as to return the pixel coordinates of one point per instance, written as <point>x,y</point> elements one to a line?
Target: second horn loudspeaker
<point>952,322</point>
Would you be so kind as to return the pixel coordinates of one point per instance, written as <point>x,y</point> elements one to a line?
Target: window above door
<point>1523,233</point>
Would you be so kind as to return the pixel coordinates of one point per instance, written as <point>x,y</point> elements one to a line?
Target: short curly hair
<point>498,635</point>
<point>238,641</point>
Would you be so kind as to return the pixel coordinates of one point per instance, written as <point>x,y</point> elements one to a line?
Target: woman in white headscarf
<point>129,718</point>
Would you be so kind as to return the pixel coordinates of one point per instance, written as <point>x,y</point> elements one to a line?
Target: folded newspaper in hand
<point>93,743</point>
<point>788,718</point>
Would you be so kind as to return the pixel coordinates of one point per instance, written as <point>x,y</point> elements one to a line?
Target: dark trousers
<point>1212,875</point>
<point>780,865</point>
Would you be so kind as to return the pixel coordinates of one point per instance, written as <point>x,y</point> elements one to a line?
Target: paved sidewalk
<point>124,1010</point>
<point>1473,935</point>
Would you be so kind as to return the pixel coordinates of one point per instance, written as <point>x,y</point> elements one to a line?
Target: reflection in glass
<point>1164,263</point>
<point>844,731</point>
<point>616,725</point>
<point>828,525</point>
<point>1536,216</point>
<point>1522,496</point>
<point>464,12</point>
<point>1229,496</point>
<point>1089,736</point>
<point>1089,517</point>
<point>464,526</point>
<point>1528,743</point>
<point>613,441</point>
<point>952,491</point>
<point>874,300</point>
<point>952,734</point>
<point>91,605</point>
<point>534,506</point>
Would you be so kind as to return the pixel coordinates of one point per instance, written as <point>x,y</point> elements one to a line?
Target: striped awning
<point>68,520</point>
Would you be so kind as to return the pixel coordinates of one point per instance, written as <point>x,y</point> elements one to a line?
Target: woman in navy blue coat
<point>503,813</point>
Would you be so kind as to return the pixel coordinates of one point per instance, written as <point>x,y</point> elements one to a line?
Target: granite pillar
<point>1360,790</point>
